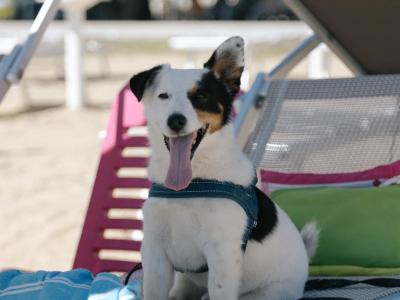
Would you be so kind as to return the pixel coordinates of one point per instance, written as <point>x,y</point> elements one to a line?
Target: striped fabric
<point>72,285</point>
<point>356,292</point>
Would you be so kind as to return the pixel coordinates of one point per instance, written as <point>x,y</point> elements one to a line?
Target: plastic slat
<point>135,141</point>
<point>130,203</point>
<point>126,113</point>
<point>116,244</point>
<point>120,224</point>
<point>138,162</point>
<point>129,182</point>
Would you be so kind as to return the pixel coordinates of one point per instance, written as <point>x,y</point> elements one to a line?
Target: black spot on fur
<point>139,82</point>
<point>211,95</point>
<point>210,63</point>
<point>267,217</point>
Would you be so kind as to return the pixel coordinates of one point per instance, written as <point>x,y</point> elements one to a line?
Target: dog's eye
<point>201,97</point>
<point>163,96</point>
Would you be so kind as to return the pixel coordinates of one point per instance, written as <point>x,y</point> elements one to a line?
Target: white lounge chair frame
<point>13,65</point>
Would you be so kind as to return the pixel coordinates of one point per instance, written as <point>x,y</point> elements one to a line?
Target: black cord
<point>137,267</point>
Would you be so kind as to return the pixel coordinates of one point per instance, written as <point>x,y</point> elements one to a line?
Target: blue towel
<point>77,284</point>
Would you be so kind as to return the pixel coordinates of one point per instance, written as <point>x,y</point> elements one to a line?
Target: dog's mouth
<point>181,151</point>
<point>200,133</point>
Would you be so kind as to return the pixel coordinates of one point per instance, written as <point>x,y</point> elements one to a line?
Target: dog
<point>191,136</point>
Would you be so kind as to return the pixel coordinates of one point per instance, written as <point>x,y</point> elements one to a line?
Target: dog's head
<point>185,105</point>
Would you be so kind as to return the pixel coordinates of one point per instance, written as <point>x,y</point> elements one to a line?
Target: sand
<point>47,165</point>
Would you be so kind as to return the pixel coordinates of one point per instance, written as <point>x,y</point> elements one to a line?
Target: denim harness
<point>207,188</point>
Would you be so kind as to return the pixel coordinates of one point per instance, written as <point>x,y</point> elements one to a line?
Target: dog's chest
<point>188,228</point>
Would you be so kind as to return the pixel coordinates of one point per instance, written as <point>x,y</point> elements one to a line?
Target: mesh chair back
<point>328,126</point>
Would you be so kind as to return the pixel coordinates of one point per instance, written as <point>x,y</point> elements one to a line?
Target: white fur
<point>310,235</point>
<point>187,234</point>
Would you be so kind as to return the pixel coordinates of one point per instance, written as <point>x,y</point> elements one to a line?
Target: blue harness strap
<point>206,188</point>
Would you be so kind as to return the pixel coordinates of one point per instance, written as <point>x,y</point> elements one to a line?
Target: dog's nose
<point>176,122</point>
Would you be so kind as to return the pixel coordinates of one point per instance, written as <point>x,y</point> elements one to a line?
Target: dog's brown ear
<point>227,62</point>
<point>139,82</point>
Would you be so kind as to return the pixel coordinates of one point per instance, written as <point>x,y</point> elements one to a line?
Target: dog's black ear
<point>139,82</point>
<point>227,62</point>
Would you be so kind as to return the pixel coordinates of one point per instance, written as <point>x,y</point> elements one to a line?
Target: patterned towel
<point>77,284</point>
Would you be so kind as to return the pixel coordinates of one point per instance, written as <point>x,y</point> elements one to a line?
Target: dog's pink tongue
<point>180,169</point>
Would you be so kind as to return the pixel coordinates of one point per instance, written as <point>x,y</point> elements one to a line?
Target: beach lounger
<point>310,130</point>
<point>111,234</point>
<point>362,35</point>
<point>320,133</point>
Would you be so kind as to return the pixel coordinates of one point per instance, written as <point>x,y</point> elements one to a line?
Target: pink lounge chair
<point>126,112</point>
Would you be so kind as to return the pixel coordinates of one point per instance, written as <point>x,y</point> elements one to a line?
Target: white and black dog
<point>190,133</point>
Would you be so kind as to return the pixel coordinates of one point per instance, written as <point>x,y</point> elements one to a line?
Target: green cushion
<point>360,227</point>
<point>351,271</point>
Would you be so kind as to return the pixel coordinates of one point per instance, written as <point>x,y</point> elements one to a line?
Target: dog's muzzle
<point>196,141</point>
